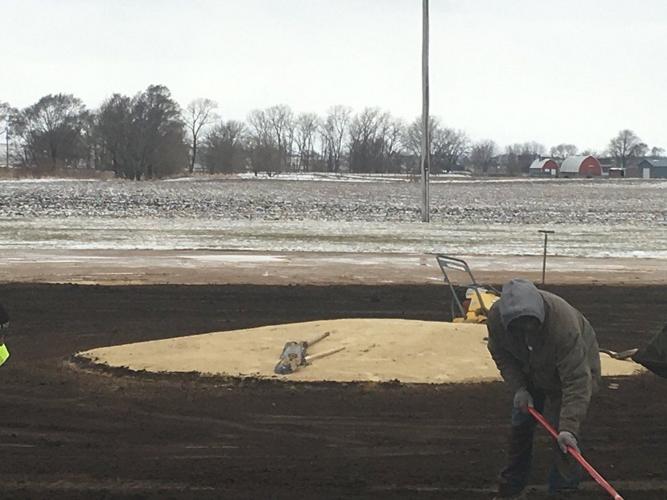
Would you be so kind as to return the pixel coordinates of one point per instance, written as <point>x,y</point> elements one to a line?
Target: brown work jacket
<point>562,359</point>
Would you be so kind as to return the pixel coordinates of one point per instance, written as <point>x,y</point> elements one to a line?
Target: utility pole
<point>426,132</point>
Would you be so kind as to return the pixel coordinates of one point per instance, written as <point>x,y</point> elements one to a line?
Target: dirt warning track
<point>79,434</point>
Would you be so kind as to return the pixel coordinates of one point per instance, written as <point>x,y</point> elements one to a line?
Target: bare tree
<point>482,154</point>
<point>533,148</point>
<point>376,142</point>
<point>333,131</point>
<point>412,140</point>
<point>199,114</point>
<point>51,131</point>
<point>281,122</point>
<point>392,131</point>
<point>307,125</point>
<point>5,114</point>
<point>114,133</point>
<point>626,146</point>
<point>449,147</point>
<point>223,147</point>
<point>15,147</point>
<point>263,149</point>
<point>143,137</point>
<point>412,136</point>
<point>161,133</point>
<point>562,151</point>
<point>366,141</point>
<point>518,157</point>
<point>657,151</point>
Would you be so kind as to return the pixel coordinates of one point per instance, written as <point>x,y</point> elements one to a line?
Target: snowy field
<point>592,218</point>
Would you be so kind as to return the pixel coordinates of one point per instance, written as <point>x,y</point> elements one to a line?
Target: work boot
<point>564,476</point>
<point>562,493</point>
<point>509,491</point>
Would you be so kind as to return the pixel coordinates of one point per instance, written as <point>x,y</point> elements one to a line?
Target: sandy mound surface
<point>375,350</point>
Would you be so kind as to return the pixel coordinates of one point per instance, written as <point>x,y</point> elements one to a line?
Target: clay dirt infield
<point>371,350</point>
<point>70,432</point>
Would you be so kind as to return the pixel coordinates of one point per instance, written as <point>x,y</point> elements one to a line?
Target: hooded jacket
<point>562,358</point>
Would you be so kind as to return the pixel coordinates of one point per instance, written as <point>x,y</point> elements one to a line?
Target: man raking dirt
<point>547,352</point>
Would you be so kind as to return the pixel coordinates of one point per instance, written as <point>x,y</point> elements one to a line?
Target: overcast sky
<point>573,71</point>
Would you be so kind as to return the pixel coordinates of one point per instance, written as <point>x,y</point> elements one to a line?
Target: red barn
<point>543,168</point>
<point>581,166</point>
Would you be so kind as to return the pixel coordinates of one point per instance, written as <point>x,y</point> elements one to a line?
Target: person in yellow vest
<point>4,324</point>
<point>547,353</point>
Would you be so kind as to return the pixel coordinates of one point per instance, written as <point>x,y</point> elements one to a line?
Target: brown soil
<point>216,267</point>
<point>72,433</point>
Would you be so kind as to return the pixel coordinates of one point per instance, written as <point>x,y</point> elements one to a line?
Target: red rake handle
<point>578,456</point>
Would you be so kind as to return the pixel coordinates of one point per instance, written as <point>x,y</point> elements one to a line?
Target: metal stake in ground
<point>544,258</point>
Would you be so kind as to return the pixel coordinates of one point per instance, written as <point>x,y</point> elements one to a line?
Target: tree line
<point>149,135</point>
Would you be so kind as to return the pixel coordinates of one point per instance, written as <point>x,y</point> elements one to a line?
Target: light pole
<point>426,133</point>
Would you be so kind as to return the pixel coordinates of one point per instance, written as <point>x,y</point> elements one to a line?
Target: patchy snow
<point>592,218</point>
<point>48,180</point>
<point>346,177</point>
<point>236,258</point>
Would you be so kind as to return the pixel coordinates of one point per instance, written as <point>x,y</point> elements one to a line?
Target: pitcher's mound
<point>375,350</point>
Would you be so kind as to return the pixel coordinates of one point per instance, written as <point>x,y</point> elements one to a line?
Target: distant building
<point>609,167</point>
<point>653,168</point>
<point>543,168</point>
<point>581,166</point>
<point>498,166</point>
<point>632,168</point>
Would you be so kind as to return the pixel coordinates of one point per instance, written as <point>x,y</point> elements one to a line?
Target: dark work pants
<point>565,471</point>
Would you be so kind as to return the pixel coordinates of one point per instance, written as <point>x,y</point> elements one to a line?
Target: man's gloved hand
<point>523,399</point>
<point>565,439</point>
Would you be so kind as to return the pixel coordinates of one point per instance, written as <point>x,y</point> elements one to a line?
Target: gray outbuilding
<point>653,168</point>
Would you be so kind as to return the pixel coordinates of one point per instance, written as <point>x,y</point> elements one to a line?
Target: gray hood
<point>520,298</point>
